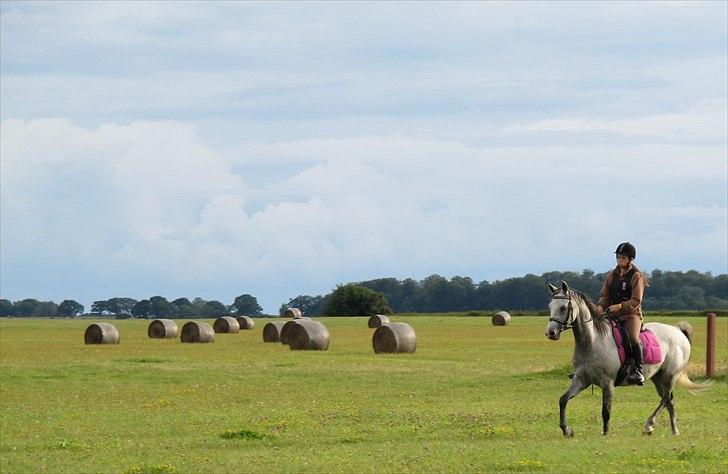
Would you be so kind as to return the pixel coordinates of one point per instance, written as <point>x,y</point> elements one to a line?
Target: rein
<point>568,322</point>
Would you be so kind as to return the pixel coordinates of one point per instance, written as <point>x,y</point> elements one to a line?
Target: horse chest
<point>595,365</point>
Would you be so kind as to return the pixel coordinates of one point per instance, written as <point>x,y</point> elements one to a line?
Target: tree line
<point>123,307</point>
<point>668,290</point>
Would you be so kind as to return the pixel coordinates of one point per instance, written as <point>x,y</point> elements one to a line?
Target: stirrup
<point>636,378</point>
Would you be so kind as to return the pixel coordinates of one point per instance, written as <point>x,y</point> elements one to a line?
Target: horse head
<point>561,311</point>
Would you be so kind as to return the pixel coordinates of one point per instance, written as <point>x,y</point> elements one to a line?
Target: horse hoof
<point>569,433</point>
<point>648,431</point>
<point>676,433</point>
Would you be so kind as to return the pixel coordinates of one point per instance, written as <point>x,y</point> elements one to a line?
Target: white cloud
<point>148,205</point>
<point>279,148</point>
<point>708,120</point>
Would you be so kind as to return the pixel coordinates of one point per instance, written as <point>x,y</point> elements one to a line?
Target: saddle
<point>651,352</point>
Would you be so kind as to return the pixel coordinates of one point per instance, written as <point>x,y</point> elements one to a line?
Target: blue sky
<point>213,149</point>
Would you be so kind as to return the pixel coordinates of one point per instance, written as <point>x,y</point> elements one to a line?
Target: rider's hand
<point>614,308</point>
<point>600,311</point>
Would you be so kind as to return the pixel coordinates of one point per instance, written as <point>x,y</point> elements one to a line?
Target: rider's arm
<point>604,294</point>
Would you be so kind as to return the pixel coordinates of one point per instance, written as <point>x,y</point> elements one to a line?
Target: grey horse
<point>596,361</point>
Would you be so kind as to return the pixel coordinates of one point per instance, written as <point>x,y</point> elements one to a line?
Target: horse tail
<point>684,381</point>
<point>687,329</point>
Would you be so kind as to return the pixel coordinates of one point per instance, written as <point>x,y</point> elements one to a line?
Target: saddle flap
<point>620,338</point>
<point>651,351</point>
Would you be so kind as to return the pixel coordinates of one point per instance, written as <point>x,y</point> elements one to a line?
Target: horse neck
<point>584,331</point>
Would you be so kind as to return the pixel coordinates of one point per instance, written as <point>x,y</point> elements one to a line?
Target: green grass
<point>474,397</point>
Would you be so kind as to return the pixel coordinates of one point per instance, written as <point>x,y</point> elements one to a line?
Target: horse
<point>596,361</point>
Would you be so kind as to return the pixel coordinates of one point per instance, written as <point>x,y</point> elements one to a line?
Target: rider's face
<point>622,261</point>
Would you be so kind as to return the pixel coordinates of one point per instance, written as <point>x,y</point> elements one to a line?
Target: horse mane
<point>601,323</point>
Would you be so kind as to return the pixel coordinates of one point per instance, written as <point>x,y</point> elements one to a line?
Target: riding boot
<point>636,377</point>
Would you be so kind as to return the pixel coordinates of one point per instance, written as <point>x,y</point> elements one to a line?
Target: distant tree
<point>355,300</point>
<point>32,308</point>
<point>47,309</point>
<point>411,291</point>
<point>483,293</point>
<point>391,288</point>
<point>462,295</point>
<point>523,292</point>
<point>246,305</point>
<point>718,287</point>
<point>27,308</point>
<point>100,307</point>
<point>159,307</point>
<point>198,303</point>
<point>215,309</point>
<point>185,308</point>
<point>120,305</point>
<point>69,309</point>
<point>181,302</point>
<point>436,290</point>
<point>6,308</point>
<point>188,311</point>
<point>309,305</point>
<point>141,309</point>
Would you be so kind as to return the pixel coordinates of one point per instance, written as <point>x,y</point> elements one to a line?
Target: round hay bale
<point>101,333</point>
<point>197,331</point>
<point>501,318</point>
<point>245,322</point>
<point>226,324</point>
<point>394,337</point>
<point>286,330</point>
<point>377,320</point>
<point>308,335</point>
<point>272,331</point>
<point>293,313</point>
<point>162,329</point>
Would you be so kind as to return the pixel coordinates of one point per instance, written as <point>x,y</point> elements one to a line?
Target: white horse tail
<point>687,329</point>
<point>684,381</point>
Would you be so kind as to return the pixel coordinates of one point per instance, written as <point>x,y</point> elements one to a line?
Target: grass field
<point>472,398</point>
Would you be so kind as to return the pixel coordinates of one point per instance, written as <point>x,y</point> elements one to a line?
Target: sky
<point>278,149</point>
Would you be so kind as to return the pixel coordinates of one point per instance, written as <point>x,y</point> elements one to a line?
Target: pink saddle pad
<point>651,351</point>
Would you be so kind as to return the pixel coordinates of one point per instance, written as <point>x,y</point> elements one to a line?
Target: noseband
<point>568,322</point>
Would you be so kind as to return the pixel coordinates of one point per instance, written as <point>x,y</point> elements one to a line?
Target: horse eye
<point>563,308</point>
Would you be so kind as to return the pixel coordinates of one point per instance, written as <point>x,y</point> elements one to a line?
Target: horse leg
<point>671,410</point>
<point>607,394</point>
<point>577,385</point>
<point>664,393</point>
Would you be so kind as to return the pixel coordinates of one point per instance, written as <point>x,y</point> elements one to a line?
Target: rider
<point>621,295</point>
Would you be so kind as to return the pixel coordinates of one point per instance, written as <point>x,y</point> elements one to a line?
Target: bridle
<point>568,322</point>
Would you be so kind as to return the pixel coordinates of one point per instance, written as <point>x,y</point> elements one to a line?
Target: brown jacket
<point>632,306</point>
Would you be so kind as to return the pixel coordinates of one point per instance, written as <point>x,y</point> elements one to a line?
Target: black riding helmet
<point>625,248</point>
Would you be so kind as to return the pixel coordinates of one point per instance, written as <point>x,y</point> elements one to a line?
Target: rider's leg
<point>633,325</point>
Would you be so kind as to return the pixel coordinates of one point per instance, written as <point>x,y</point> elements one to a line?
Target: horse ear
<point>564,286</point>
<point>552,288</point>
